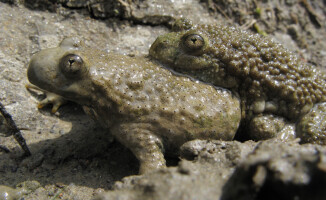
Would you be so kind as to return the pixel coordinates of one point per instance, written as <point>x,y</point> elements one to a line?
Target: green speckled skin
<point>146,107</point>
<point>268,78</point>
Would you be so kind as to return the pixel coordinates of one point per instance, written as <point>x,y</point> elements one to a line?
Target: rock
<point>279,171</point>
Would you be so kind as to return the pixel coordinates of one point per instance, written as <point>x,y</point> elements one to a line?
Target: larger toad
<point>273,83</point>
<point>146,107</point>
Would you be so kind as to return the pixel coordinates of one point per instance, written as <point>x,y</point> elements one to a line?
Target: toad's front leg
<point>143,143</point>
<point>266,126</point>
<point>51,98</point>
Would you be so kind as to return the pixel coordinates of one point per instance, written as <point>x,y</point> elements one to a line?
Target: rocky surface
<point>73,158</point>
<point>209,166</point>
<point>247,170</point>
<point>282,170</point>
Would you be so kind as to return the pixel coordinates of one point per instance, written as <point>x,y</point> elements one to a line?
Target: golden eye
<point>193,42</point>
<point>71,65</point>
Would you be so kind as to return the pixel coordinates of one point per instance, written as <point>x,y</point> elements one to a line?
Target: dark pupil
<point>194,40</point>
<point>74,67</point>
<point>71,61</point>
<point>71,64</point>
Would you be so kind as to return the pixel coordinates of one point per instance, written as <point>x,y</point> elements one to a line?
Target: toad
<point>280,94</point>
<point>146,107</point>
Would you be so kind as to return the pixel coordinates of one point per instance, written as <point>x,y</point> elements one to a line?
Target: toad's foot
<point>312,127</point>
<point>264,127</point>
<point>8,193</point>
<point>51,98</point>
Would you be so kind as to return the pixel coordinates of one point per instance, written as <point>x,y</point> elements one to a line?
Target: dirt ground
<point>74,158</point>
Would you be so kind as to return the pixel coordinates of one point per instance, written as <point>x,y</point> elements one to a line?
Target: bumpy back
<point>142,90</point>
<point>266,68</point>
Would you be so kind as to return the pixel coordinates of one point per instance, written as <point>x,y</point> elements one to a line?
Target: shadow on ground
<point>87,156</point>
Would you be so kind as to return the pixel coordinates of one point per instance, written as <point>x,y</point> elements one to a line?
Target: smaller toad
<point>146,107</point>
<point>275,86</point>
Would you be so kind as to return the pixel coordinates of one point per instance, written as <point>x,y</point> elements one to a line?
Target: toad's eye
<point>71,65</point>
<point>193,42</point>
